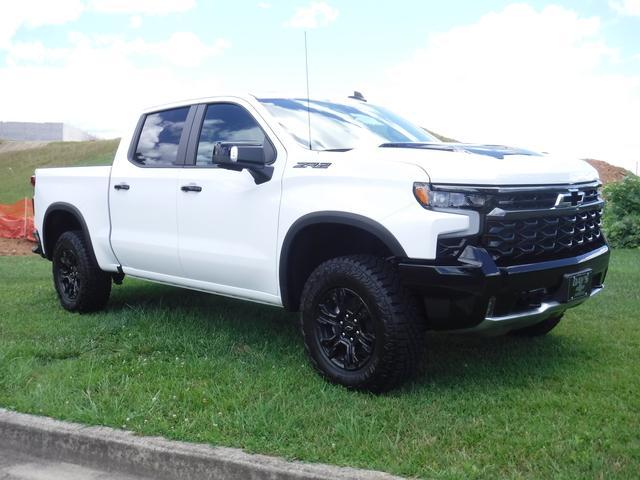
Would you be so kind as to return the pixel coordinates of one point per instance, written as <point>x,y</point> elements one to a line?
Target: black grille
<point>590,195</point>
<point>536,239</point>
<point>543,199</point>
<point>526,200</point>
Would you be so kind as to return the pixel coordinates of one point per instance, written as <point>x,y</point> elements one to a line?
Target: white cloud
<point>317,14</point>
<point>185,49</point>
<point>148,7</point>
<point>101,93</point>
<point>526,77</point>
<point>181,49</point>
<point>135,21</point>
<point>100,83</point>
<point>35,13</point>
<point>35,52</point>
<point>626,7</point>
<point>264,5</point>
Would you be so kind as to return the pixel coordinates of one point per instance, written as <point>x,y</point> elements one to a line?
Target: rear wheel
<point>538,329</point>
<point>78,280</point>
<point>361,328</point>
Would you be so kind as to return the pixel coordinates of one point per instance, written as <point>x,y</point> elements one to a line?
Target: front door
<point>227,225</point>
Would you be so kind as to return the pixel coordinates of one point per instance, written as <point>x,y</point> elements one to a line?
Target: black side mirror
<point>253,157</point>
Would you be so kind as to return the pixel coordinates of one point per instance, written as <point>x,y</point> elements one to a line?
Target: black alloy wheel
<point>345,329</point>
<point>68,276</point>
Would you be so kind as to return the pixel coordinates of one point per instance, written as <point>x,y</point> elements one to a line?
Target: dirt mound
<point>12,246</point>
<point>608,173</point>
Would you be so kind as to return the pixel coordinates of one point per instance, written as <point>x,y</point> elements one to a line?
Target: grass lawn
<point>191,366</point>
<point>16,167</point>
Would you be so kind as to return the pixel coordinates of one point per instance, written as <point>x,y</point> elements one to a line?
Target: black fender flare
<point>68,208</point>
<point>331,217</point>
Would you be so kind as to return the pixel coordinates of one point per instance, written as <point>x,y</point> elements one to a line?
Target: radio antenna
<point>306,65</point>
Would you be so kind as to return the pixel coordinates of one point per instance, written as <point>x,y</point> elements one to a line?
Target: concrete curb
<point>155,457</point>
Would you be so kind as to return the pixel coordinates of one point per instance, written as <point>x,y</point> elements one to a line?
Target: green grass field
<point>195,367</point>
<point>16,167</point>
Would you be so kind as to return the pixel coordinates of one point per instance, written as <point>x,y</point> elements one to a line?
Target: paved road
<point>21,466</point>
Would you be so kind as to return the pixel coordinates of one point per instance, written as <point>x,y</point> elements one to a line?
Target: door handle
<point>191,188</point>
<point>121,186</point>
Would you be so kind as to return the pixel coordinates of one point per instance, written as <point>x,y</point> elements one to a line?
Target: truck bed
<point>85,189</point>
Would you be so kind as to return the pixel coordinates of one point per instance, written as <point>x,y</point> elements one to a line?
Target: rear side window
<point>160,138</point>
<point>226,122</point>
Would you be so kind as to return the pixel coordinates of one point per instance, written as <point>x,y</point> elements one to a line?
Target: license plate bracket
<point>576,285</point>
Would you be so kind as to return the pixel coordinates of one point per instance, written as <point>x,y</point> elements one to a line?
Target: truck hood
<point>474,164</point>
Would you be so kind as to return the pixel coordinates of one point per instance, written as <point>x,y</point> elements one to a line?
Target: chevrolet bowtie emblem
<point>571,199</point>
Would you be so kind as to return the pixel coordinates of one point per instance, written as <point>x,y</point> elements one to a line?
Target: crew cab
<point>366,224</point>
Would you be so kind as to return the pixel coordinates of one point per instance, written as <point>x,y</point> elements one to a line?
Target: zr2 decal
<point>311,165</point>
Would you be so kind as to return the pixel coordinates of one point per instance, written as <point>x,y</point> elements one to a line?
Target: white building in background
<point>48,131</point>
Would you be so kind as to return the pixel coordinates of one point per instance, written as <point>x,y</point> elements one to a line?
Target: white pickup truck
<point>365,223</point>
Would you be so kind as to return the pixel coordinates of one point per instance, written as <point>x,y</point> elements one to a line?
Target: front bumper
<point>473,294</point>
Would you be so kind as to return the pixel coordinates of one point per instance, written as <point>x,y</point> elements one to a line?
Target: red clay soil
<point>608,173</point>
<point>12,246</point>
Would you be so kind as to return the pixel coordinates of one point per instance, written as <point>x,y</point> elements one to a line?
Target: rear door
<point>228,227</point>
<point>143,194</point>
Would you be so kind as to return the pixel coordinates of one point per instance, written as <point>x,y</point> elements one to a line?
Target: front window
<point>342,126</point>
<point>226,122</point>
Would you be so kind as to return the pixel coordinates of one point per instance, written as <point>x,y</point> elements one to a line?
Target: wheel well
<point>56,222</point>
<point>316,243</point>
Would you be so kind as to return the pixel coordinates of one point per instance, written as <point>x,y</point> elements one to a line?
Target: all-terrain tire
<point>80,284</point>
<point>538,329</point>
<point>390,314</point>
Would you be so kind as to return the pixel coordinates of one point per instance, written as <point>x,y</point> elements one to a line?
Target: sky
<point>560,77</point>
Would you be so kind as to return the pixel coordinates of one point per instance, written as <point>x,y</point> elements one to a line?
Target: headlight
<point>430,198</point>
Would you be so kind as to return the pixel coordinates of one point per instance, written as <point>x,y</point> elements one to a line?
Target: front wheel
<point>79,282</point>
<point>361,328</point>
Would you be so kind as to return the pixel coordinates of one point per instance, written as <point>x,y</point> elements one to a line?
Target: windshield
<point>342,126</point>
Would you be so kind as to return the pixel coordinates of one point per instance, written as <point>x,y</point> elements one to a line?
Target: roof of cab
<point>250,97</point>
<point>194,101</point>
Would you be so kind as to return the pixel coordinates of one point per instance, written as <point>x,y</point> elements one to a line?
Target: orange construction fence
<point>16,220</point>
